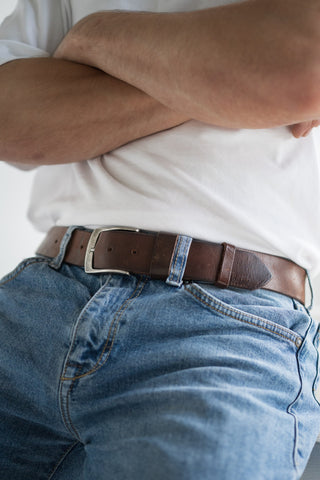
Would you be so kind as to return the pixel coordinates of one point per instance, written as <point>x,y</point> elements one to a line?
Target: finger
<point>299,129</point>
<point>314,124</point>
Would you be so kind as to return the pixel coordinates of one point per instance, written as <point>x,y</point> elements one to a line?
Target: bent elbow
<point>19,151</point>
<point>309,99</point>
<point>303,86</point>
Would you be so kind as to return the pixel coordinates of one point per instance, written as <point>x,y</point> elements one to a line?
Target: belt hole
<point>110,249</point>
<point>133,252</point>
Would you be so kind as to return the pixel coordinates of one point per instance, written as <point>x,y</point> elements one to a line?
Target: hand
<point>304,128</point>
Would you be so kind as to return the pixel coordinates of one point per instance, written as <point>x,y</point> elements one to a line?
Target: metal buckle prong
<point>88,261</point>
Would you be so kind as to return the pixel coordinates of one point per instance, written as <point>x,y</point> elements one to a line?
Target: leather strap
<point>150,253</point>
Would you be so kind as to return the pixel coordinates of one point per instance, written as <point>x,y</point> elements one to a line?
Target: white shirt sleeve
<point>35,29</point>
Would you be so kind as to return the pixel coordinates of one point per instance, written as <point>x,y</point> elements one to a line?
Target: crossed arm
<point>56,111</point>
<point>119,76</point>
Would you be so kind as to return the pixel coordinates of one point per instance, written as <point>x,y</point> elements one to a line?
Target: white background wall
<point>18,238</point>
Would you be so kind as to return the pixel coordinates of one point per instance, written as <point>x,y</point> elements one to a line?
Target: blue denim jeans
<point>126,378</point>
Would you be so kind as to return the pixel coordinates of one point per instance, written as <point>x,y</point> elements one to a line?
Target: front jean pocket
<point>21,268</point>
<point>270,312</point>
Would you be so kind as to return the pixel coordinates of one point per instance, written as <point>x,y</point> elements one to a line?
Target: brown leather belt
<point>149,253</point>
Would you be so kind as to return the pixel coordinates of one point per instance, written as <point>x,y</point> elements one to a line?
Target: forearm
<point>55,111</point>
<point>243,65</point>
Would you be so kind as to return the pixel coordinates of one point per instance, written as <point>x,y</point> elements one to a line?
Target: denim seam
<point>74,334</point>
<point>183,263</point>
<point>21,267</point>
<point>66,417</point>
<point>228,312</point>
<point>175,260</point>
<point>290,408</point>
<point>316,347</point>
<point>295,420</point>
<point>315,382</point>
<point>112,330</point>
<point>64,456</point>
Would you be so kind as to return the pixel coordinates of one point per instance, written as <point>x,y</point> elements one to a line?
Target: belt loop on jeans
<point>57,261</point>
<point>309,308</point>
<point>179,260</point>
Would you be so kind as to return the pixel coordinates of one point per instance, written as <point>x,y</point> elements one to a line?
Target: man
<point>132,354</point>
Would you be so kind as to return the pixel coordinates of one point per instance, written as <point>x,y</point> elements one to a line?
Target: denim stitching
<point>176,259</point>
<point>183,263</point>
<point>315,339</point>
<point>74,335</point>
<point>290,409</point>
<point>64,456</point>
<point>68,406</point>
<point>115,323</point>
<point>290,412</point>
<point>316,380</point>
<point>237,315</point>
<point>113,328</point>
<point>22,266</point>
<point>66,417</point>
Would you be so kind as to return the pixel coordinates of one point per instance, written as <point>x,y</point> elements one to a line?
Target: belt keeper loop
<point>227,259</point>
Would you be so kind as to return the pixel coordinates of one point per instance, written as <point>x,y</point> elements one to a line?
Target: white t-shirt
<point>256,189</point>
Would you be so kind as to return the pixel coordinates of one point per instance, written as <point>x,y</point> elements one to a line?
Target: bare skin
<point>117,77</point>
<point>56,111</point>
<point>259,53</point>
<point>304,128</point>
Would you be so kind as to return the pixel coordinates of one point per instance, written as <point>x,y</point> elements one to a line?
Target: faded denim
<point>126,378</point>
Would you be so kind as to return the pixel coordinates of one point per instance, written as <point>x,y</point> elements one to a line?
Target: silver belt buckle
<point>88,260</point>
